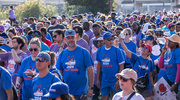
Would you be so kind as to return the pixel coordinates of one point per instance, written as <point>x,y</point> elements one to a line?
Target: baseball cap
<point>107,35</point>
<point>1,28</point>
<point>96,41</point>
<point>59,18</point>
<point>53,17</point>
<point>44,55</point>
<point>7,26</point>
<point>70,33</point>
<point>123,24</point>
<point>25,19</point>
<point>25,25</point>
<point>147,46</point>
<point>17,22</point>
<point>170,25</point>
<point>128,74</point>
<point>167,18</point>
<point>57,89</point>
<point>36,33</point>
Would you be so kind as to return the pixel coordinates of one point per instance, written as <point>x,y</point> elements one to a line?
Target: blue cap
<point>148,38</point>
<point>44,55</point>
<point>57,89</point>
<point>29,36</point>
<point>70,33</point>
<point>124,24</point>
<point>107,35</point>
<point>89,16</point>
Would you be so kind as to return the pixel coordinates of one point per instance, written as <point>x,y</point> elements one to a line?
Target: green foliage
<point>92,5</point>
<point>31,8</point>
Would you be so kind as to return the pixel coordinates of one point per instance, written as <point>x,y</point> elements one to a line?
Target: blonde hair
<point>35,41</point>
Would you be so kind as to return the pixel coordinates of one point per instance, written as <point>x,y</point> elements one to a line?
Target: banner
<point>162,91</point>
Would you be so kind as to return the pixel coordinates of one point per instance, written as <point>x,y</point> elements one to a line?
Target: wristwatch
<point>91,87</point>
<point>12,47</point>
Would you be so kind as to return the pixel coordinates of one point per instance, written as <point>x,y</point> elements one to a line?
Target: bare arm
<point>98,74</point>
<point>15,56</point>
<point>19,81</point>
<point>90,75</point>
<point>9,93</point>
<point>121,67</point>
<point>129,53</point>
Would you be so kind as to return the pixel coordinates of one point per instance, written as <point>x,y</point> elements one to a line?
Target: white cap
<point>59,17</point>
<point>7,26</point>
<point>128,74</point>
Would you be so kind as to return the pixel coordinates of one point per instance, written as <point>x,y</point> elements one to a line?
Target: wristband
<point>90,87</point>
<point>34,73</point>
<point>12,47</point>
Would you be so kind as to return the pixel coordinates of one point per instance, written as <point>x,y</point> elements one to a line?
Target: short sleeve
<point>87,58</point>
<point>58,63</point>
<point>7,81</point>
<point>120,56</point>
<point>177,55</point>
<point>56,79</point>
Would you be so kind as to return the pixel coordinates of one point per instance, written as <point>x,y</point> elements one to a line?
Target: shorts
<point>107,90</point>
<point>147,93</point>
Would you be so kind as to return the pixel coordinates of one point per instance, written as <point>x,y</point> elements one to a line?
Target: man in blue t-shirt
<point>6,92</point>
<point>76,66</point>
<point>42,82</point>
<point>110,62</point>
<point>113,17</point>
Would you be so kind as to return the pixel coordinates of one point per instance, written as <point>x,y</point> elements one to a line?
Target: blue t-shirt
<point>5,47</point>
<point>44,47</point>
<point>5,83</point>
<point>142,66</point>
<point>41,85</point>
<point>171,58</point>
<point>171,33</point>
<point>131,46</point>
<point>33,26</point>
<point>27,64</point>
<point>55,70</point>
<point>142,36</point>
<point>165,28</point>
<point>116,21</point>
<point>74,65</point>
<point>110,60</point>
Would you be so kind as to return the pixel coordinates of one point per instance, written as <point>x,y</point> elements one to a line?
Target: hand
<point>98,84</point>
<point>173,87</point>
<point>63,43</point>
<point>9,43</point>
<point>117,87</point>
<point>28,72</point>
<point>89,93</point>
<point>120,39</point>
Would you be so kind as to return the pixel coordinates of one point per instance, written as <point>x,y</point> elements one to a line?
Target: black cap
<point>36,33</point>
<point>53,17</point>
<point>25,19</point>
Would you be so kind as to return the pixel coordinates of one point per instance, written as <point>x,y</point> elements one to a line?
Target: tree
<point>92,5</point>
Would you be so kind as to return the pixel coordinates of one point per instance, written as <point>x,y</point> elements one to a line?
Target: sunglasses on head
<point>31,49</point>
<point>40,60</point>
<point>123,79</point>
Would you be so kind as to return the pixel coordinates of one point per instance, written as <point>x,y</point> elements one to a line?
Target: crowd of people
<point>89,56</point>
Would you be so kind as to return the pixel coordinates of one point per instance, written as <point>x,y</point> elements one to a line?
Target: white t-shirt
<point>119,96</point>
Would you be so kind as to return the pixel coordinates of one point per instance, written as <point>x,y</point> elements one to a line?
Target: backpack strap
<point>132,94</point>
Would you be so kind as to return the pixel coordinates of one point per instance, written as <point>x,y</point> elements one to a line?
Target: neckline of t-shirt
<point>107,48</point>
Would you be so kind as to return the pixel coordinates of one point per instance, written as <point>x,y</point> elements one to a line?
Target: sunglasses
<point>95,29</point>
<point>123,79</point>
<point>40,60</point>
<point>100,42</point>
<point>127,34</point>
<point>31,49</point>
<point>110,39</point>
<point>54,36</point>
<point>144,48</point>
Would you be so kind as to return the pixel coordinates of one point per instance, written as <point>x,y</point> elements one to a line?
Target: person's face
<point>175,18</point>
<point>177,28</point>
<point>112,16</point>
<point>171,44</point>
<point>53,21</point>
<point>125,83</point>
<point>96,30</point>
<point>172,28</point>
<point>147,19</point>
<point>100,43</point>
<point>127,34</point>
<point>109,42</point>
<point>118,32</point>
<point>145,51</point>
<point>113,30</point>
<point>46,25</point>
<point>15,44</point>
<point>116,42</point>
<point>56,37</point>
<point>148,33</point>
<point>149,42</point>
<point>161,25</point>
<point>134,27</point>
<point>166,22</point>
<point>159,35</point>
<point>34,49</point>
<point>41,64</point>
<point>77,33</point>
<point>10,34</point>
<point>70,41</point>
<point>38,27</point>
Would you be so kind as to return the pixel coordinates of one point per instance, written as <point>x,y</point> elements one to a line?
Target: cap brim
<point>123,75</point>
<point>169,38</point>
<point>48,95</point>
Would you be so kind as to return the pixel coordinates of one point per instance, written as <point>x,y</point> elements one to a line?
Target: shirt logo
<point>106,59</point>
<point>38,92</point>
<point>70,64</point>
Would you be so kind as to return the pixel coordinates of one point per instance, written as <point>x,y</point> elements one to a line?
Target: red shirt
<point>47,42</point>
